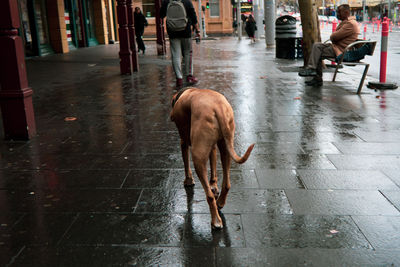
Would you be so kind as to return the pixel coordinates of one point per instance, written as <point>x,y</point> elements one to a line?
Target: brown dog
<point>204,119</point>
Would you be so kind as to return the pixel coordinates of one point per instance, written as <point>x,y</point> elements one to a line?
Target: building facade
<point>218,16</point>
<point>58,26</point>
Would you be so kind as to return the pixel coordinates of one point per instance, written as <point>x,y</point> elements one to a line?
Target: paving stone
<point>365,162</point>
<point>302,231</point>
<point>129,229</point>
<point>394,175</point>
<point>393,197</point>
<point>305,257</point>
<point>32,229</point>
<point>115,256</point>
<point>198,233</point>
<point>61,179</point>
<point>381,231</point>
<point>278,179</point>
<point>369,148</point>
<point>345,179</point>
<point>101,200</point>
<point>336,202</point>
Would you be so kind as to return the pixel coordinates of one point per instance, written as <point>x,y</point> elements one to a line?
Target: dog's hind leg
<point>189,181</point>
<point>226,167</point>
<point>213,176</point>
<point>200,158</point>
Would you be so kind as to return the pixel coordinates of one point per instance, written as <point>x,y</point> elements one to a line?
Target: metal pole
<point>200,21</point>
<point>239,20</point>
<point>256,15</point>
<point>204,25</point>
<point>364,11</point>
<point>269,15</point>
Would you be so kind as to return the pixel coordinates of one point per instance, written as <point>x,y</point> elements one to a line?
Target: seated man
<point>345,34</point>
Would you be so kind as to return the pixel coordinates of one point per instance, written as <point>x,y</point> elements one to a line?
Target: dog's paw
<point>217,226</point>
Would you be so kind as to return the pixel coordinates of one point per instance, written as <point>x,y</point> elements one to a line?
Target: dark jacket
<point>191,15</point>
<point>140,23</point>
<point>250,28</point>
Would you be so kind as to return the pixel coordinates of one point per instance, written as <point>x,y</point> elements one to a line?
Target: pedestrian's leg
<point>139,41</point>
<point>188,56</point>
<point>175,44</point>
<point>315,55</point>
<point>326,51</point>
<point>142,43</point>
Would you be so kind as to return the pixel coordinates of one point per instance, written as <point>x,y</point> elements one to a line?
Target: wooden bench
<point>350,47</point>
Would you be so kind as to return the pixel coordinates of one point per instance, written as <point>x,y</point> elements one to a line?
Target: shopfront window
<point>26,33</point>
<point>149,9</point>
<point>41,20</point>
<point>90,20</point>
<point>214,8</point>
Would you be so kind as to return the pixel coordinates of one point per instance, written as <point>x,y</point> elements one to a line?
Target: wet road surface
<point>321,188</point>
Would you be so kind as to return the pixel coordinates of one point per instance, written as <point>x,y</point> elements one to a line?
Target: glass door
<point>89,23</point>
<point>70,22</point>
<point>25,30</point>
<point>42,27</point>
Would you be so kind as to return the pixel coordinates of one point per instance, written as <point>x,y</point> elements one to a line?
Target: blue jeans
<point>355,55</point>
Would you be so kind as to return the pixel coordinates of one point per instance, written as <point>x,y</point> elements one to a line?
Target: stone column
<point>132,36</point>
<point>57,26</point>
<point>15,95</point>
<point>125,55</point>
<point>161,45</point>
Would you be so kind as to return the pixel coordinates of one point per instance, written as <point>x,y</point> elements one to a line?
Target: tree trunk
<point>310,26</point>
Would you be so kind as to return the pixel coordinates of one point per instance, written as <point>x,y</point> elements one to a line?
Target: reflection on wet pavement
<point>321,188</point>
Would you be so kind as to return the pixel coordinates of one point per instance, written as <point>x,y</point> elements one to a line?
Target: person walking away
<point>180,17</point>
<point>243,25</point>
<point>345,34</point>
<point>140,23</point>
<point>251,28</point>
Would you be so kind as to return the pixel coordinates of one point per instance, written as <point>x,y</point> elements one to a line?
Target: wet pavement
<point>321,188</point>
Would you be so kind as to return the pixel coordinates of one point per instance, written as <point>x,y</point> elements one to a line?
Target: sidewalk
<point>321,188</point>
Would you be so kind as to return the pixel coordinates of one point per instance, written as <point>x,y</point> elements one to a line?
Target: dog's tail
<point>235,157</point>
<point>228,128</point>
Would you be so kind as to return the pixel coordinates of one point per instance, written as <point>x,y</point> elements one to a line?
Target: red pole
<point>334,25</point>
<point>384,43</point>
<point>365,31</point>
<point>124,50</point>
<point>15,95</point>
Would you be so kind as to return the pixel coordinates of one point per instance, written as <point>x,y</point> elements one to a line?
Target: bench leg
<point>362,79</point>
<point>336,71</point>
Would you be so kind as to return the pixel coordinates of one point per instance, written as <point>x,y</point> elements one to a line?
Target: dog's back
<point>205,116</point>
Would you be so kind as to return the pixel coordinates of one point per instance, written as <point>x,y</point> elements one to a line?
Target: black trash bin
<point>285,37</point>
